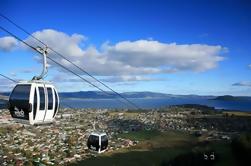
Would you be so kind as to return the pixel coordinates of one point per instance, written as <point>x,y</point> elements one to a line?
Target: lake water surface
<point>156,103</point>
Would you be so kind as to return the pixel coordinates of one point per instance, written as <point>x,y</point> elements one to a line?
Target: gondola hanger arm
<point>43,52</point>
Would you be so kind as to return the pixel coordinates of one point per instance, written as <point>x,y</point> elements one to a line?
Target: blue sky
<point>204,45</point>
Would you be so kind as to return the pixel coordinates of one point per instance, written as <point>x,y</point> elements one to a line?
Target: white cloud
<point>249,66</point>
<point>64,79</point>
<point>129,78</point>
<point>129,60</point>
<point>66,44</point>
<point>243,83</point>
<point>193,57</point>
<point>8,43</point>
<point>90,58</point>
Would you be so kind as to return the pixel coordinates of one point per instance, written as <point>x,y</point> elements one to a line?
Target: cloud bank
<point>125,60</point>
<point>8,43</point>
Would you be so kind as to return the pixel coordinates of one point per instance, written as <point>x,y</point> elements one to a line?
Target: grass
<point>157,148</point>
<point>140,135</point>
<point>155,139</point>
<point>224,152</point>
<point>236,113</point>
<point>135,158</point>
<point>154,148</point>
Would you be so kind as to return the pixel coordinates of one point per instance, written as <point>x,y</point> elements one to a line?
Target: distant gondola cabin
<point>34,102</point>
<point>97,142</point>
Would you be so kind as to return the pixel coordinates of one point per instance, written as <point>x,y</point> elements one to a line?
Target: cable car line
<point>18,39</point>
<point>95,78</point>
<point>62,56</point>
<point>97,141</point>
<point>85,80</point>
<point>52,59</point>
<point>8,78</point>
<point>63,66</point>
<point>19,27</point>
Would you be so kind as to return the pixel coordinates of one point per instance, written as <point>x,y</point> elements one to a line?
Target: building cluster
<point>65,140</point>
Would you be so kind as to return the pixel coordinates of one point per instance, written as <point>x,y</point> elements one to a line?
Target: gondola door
<point>34,103</point>
<point>50,96</point>
<point>41,110</point>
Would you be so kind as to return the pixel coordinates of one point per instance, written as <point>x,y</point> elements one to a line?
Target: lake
<point>156,103</point>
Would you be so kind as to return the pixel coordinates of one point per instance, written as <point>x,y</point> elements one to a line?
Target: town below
<point>167,134</point>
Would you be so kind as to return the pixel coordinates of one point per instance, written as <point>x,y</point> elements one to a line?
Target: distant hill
<point>232,98</point>
<point>102,95</point>
<point>4,97</point>
<point>110,95</point>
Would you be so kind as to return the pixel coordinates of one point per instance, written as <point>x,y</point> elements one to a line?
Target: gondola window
<point>50,98</point>
<point>35,104</point>
<point>42,98</point>
<point>104,142</point>
<point>56,103</point>
<point>19,101</point>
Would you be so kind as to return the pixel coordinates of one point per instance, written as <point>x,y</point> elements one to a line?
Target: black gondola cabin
<point>97,142</point>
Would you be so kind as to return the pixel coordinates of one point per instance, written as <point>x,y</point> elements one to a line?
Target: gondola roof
<point>35,81</point>
<point>98,133</point>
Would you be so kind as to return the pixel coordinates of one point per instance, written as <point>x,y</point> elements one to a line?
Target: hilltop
<point>232,98</point>
<point>110,95</point>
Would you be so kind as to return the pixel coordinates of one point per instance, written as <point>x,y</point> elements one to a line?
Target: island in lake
<point>233,98</point>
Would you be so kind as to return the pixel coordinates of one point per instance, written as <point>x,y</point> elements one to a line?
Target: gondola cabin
<point>34,102</point>
<point>97,142</point>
